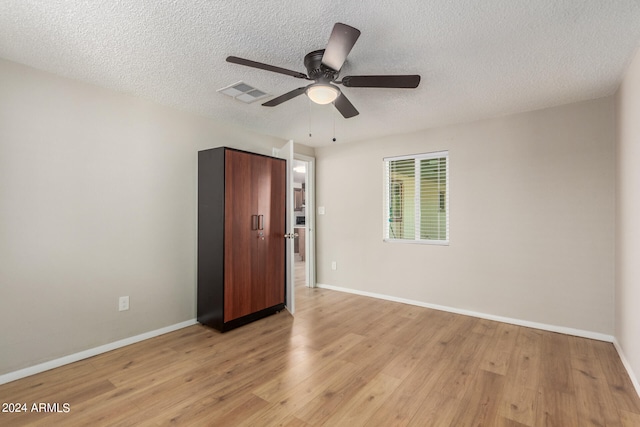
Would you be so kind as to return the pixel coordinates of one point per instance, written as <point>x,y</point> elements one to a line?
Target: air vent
<point>243,92</point>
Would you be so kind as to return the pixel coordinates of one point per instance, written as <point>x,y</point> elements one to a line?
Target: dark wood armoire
<point>241,245</point>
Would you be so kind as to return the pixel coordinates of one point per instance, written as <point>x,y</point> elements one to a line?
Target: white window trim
<point>386,201</point>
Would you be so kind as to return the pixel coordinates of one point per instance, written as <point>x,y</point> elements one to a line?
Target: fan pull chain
<point>334,125</point>
<point>309,111</point>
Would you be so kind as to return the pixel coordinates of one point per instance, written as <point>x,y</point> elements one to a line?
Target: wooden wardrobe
<point>241,245</point>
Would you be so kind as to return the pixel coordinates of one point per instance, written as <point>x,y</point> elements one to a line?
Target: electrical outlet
<point>123,304</point>
<point>321,210</point>
<point>334,265</point>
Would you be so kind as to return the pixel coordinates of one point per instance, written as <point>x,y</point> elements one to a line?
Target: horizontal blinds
<point>433,184</point>
<point>416,198</point>
<point>402,192</point>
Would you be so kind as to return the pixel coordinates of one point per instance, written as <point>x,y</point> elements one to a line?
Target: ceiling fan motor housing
<point>316,70</point>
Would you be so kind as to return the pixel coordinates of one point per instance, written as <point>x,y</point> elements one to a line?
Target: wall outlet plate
<point>123,303</point>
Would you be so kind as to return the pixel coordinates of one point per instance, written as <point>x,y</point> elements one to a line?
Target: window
<point>416,198</point>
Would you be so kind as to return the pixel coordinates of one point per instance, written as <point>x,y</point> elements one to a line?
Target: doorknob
<point>290,235</point>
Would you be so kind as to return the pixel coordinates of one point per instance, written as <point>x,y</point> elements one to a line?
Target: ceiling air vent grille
<point>243,92</point>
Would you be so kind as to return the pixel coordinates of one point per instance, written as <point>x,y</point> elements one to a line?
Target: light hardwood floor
<point>344,360</point>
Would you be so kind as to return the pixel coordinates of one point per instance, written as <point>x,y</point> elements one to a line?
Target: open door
<point>310,246</point>
<point>286,152</point>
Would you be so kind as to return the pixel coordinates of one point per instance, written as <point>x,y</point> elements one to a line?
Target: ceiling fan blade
<point>345,107</point>
<point>406,82</point>
<point>342,39</point>
<point>287,96</point>
<point>260,65</point>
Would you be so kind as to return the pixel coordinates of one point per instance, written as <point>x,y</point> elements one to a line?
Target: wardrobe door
<point>269,175</point>
<point>261,177</point>
<point>274,245</point>
<point>240,236</point>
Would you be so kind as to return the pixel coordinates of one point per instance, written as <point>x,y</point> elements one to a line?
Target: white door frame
<point>310,218</point>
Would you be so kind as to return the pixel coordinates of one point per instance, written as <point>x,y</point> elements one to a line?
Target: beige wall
<point>97,200</point>
<point>627,330</point>
<point>532,218</point>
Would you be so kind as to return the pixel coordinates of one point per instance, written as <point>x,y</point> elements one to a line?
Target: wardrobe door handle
<point>254,222</point>
<point>260,222</point>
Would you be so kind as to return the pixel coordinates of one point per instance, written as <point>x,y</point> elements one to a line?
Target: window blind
<point>416,198</point>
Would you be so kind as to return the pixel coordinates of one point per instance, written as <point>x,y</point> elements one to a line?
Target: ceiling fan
<point>323,67</point>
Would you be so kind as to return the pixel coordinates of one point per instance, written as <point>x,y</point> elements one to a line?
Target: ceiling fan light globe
<point>323,93</point>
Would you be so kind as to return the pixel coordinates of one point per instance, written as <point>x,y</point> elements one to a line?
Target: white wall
<point>97,200</point>
<point>627,330</point>
<point>532,218</point>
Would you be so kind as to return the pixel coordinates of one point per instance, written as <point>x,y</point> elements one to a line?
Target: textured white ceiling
<point>477,58</point>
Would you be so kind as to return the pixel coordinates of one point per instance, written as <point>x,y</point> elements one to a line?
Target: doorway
<point>304,219</point>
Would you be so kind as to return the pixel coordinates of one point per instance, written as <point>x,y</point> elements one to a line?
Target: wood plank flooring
<point>344,360</point>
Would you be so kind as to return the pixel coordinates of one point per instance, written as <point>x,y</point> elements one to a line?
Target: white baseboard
<point>16,375</point>
<point>545,327</point>
<point>627,366</point>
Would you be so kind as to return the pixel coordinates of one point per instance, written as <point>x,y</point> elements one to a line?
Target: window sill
<point>418,242</point>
